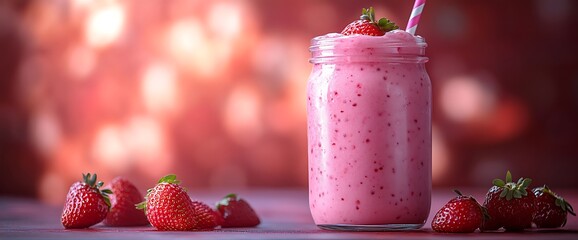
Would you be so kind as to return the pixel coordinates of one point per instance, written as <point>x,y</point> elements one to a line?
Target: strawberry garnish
<point>122,212</point>
<point>367,25</point>
<point>462,214</point>
<point>168,207</point>
<point>551,209</point>
<point>236,212</point>
<point>509,204</point>
<point>86,204</point>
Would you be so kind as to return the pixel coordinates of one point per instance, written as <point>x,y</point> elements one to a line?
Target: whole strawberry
<point>236,212</point>
<point>168,207</point>
<point>509,204</point>
<point>462,214</point>
<point>123,200</point>
<point>367,25</point>
<point>551,209</point>
<point>86,204</point>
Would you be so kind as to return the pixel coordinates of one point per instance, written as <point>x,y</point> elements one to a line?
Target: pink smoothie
<point>369,131</point>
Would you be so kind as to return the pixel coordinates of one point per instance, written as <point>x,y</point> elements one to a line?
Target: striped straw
<point>415,15</point>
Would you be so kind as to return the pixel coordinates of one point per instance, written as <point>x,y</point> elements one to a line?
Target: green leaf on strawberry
<point>171,178</point>
<point>512,189</point>
<point>386,25</point>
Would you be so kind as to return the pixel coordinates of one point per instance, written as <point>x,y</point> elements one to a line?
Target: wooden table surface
<point>284,214</point>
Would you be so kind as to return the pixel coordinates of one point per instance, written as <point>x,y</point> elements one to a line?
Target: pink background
<point>214,91</point>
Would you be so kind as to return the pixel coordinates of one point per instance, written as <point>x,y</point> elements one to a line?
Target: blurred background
<point>214,91</point>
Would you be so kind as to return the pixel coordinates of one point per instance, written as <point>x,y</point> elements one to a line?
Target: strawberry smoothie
<point>369,132</point>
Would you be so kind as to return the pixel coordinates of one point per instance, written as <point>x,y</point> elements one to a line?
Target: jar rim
<point>334,38</point>
<point>398,46</point>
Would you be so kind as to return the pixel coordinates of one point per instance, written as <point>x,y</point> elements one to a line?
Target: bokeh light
<point>159,89</point>
<point>46,131</point>
<point>440,155</point>
<point>191,48</point>
<point>105,23</point>
<point>242,115</point>
<point>81,61</point>
<point>465,98</point>
<point>109,148</point>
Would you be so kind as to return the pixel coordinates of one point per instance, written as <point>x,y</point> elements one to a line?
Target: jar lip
<point>394,46</point>
<point>395,38</point>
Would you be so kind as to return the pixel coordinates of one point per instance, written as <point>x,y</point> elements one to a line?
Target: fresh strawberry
<point>551,209</point>
<point>462,214</point>
<point>367,25</point>
<point>236,212</point>
<point>86,204</point>
<point>168,207</point>
<point>122,212</point>
<point>205,216</point>
<point>509,204</point>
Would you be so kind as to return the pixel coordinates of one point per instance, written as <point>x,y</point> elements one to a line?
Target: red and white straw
<point>415,15</point>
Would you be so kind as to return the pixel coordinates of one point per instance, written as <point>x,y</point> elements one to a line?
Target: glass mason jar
<point>369,132</point>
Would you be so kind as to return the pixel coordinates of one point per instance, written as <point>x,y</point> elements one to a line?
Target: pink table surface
<point>284,214</point>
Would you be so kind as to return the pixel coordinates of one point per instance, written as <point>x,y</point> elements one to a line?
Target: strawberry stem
<point>458,192</point>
